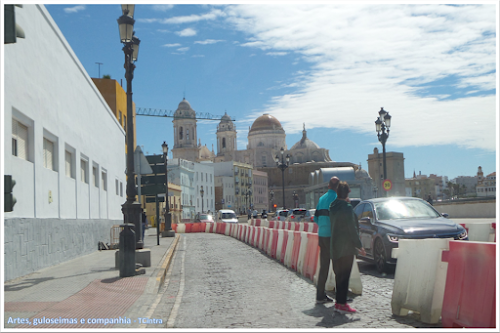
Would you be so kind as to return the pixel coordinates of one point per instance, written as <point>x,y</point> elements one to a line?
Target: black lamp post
<point>131,208</point>
<point>282,166</point>
<point>272,200</point>
<point>382,125</point>
<point>202,192</point>
<point>168,232</point>
<point>295,198</point>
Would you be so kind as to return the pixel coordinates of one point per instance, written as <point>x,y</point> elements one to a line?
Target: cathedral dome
<point>305,143</point>
<point>184,110</point>
<point>265,122</point>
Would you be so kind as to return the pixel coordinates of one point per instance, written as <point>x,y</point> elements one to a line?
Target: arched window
<point>223,142</point>
<point>180,133</point>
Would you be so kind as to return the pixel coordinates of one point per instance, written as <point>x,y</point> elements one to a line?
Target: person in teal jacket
<point>322,218</point>
<point>344,245</point>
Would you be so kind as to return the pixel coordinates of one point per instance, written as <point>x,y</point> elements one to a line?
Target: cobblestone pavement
<point>216,281</point>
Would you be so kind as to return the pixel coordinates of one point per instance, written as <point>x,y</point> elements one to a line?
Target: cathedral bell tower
<point>185,135</point>
<point>226,136</point>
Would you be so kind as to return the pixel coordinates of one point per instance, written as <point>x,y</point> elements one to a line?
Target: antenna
<point>99,70</point>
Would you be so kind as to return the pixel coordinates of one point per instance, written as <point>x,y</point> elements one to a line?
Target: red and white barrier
<point>481,232</point>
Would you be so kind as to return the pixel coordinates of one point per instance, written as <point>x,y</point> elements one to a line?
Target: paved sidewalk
<point>87,292</point>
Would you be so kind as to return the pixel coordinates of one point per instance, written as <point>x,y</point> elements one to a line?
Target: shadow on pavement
<point>27,283</point>
<point>413,319</point>
<point>370,269</point>
<point>329,317</point>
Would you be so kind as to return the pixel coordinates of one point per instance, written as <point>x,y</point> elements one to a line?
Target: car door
<point>366,226</point>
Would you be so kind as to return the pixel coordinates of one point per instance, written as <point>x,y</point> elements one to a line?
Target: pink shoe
<point>344,308</point>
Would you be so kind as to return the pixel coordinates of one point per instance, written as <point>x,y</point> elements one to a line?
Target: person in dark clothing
<point>144,220</point>
<point>322,218</point>
<point>429,200</point>
<point>344,245</point>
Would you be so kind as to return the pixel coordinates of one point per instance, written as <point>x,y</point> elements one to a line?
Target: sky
<point>330,66</point>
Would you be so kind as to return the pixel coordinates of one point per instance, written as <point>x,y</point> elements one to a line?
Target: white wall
<point>56,217</point>
<point>47,89</point>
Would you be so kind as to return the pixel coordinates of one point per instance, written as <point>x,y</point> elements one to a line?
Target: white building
<point>64,148</point>
<point>204,177</point>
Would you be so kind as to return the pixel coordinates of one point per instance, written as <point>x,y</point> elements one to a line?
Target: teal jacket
<point>323,221</point>
<point>345,230</point>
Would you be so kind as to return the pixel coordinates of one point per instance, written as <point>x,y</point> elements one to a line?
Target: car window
<point>358,210</point>
<point>367,211</point>
<point>283,213</point>
<point>404,209</point>
<point>299,212</point>
<point>228,215</point>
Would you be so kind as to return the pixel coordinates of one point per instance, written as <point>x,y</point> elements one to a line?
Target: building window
<point>48,154</point>
<point>19,140</point>
<point>84,171</point>
<point>180,133</point>
<point>125,123</point>
<point>120,118</point>
<point>117,187</point>
<point>104,179</point>
<point>223,142</point>
<point>187,135</point>
<point>121,189</point>
<point>69,164</point>
<point>95,177</point>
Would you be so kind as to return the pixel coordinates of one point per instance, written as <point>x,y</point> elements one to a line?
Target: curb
<point>166,260</point>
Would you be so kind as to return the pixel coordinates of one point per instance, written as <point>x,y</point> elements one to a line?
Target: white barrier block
<point>289,248</point>
<point>226,229</point>
<point>262,236</point>
<point>355,284</point>
<point>318,264</point>
<point>247,233</point>
<point>420,278</point>
<point>181,228</point>
<point>480,232</point>
<point>302,252</point>
<point>269,242</point>
<point>281,236</point>
<point>207,227</point>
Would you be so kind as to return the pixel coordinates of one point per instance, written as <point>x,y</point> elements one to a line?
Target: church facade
<point>266,138</point>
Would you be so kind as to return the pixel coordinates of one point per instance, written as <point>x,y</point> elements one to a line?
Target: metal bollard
<point>126,255</point>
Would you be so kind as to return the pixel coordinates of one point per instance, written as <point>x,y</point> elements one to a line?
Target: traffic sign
<point>152,180</point>
<point>152,199</point>
<point>387,185</point>
<point>153,189</point>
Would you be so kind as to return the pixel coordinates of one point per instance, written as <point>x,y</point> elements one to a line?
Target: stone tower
<point>226,136</point>
<point>185,135</point>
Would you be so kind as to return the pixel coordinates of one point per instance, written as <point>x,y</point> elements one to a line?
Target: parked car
<point>204,218</point>
<point>310,215</point>
<point>384,221</point>
<point>281,214</point>
<point>296,215</point>
<point>354,201</point>
<point>227,215</point>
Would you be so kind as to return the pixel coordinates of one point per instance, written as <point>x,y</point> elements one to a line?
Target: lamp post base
<point>168,232</point>
<point>132,214</point>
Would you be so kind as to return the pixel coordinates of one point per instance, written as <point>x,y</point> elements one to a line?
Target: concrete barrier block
<point>302,252</point>
<point>420,278</point>
<point>289,248</point>
<point>281,236</point>
<point>480,232</point>
<point>181,228</point>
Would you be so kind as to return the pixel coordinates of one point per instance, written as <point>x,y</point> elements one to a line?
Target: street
<point>217,281</point>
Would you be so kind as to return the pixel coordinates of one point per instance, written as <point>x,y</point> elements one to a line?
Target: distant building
<point>486,186</point>
<point>260,193</point>
<point>439,186</point>
<point>467,183</point>
<point>236,180</point>
<point>395,172</point>
<point>421,186</point>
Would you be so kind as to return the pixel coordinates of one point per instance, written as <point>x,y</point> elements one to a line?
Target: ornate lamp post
<point>382,125</point>
<point>168,217</point>
<point>201,193</point>
<point>131,208</point>
<point>282,166</point>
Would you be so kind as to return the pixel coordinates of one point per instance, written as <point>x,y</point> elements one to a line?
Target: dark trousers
<point>342,269</point>
<point>324,266</point>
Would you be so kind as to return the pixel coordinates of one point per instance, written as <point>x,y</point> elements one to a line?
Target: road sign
<point>152,199</point>
<point>160,169</point>
<point>222,201</point>
<point>153,189</point>
<point>155,159</point>
<point>152,180</point>
<point>387,185</point>
<point>141,164</point>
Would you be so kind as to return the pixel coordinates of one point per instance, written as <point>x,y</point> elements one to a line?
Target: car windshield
<point>228,216</point>
<point>283,213</point>
<point>205,217</point>
<point>300,212</point>
<point>404,209</point>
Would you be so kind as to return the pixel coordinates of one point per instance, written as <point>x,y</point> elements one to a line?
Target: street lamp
<point>382,125</point>
<point>131,208</point>
<point>272,200</point>
<point>282,166</point>
<point>168,217</point>
<point>201,193</point>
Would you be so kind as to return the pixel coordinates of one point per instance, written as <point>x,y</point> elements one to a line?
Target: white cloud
<point>171,45</point>
<point>186,32</point>
<point>212,15</point>
<point>363,57</point>
<point>74,9</point>
<point>183,49</point>
<point>198,56</point>
<point>277,53</point>
<point>208,41</point>
<point>162,8</point>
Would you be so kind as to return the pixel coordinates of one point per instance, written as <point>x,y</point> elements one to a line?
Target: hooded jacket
<point>323,221</point>
<point>345,230</point>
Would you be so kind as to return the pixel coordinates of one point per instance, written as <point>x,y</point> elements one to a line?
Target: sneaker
<point>327,299</point>
<point>343,308</point>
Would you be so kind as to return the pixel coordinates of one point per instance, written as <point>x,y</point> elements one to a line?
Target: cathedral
<point>266,138</point>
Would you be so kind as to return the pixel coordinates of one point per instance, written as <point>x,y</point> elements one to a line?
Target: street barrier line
<point>178,299</point>
<point>160,278</point>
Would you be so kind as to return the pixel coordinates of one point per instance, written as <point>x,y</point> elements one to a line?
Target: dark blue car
<point>384,221</point>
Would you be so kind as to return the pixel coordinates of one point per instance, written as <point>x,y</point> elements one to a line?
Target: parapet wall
<point>468,209</point>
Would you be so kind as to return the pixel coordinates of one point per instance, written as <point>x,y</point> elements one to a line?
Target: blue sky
<point>330,66</point>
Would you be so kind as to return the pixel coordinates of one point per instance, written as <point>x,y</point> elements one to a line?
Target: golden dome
<point>266,122</point>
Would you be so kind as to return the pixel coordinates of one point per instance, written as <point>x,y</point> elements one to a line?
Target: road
<point>216,281</point>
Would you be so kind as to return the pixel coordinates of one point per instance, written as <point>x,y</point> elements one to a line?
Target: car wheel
<point>380,257</point>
